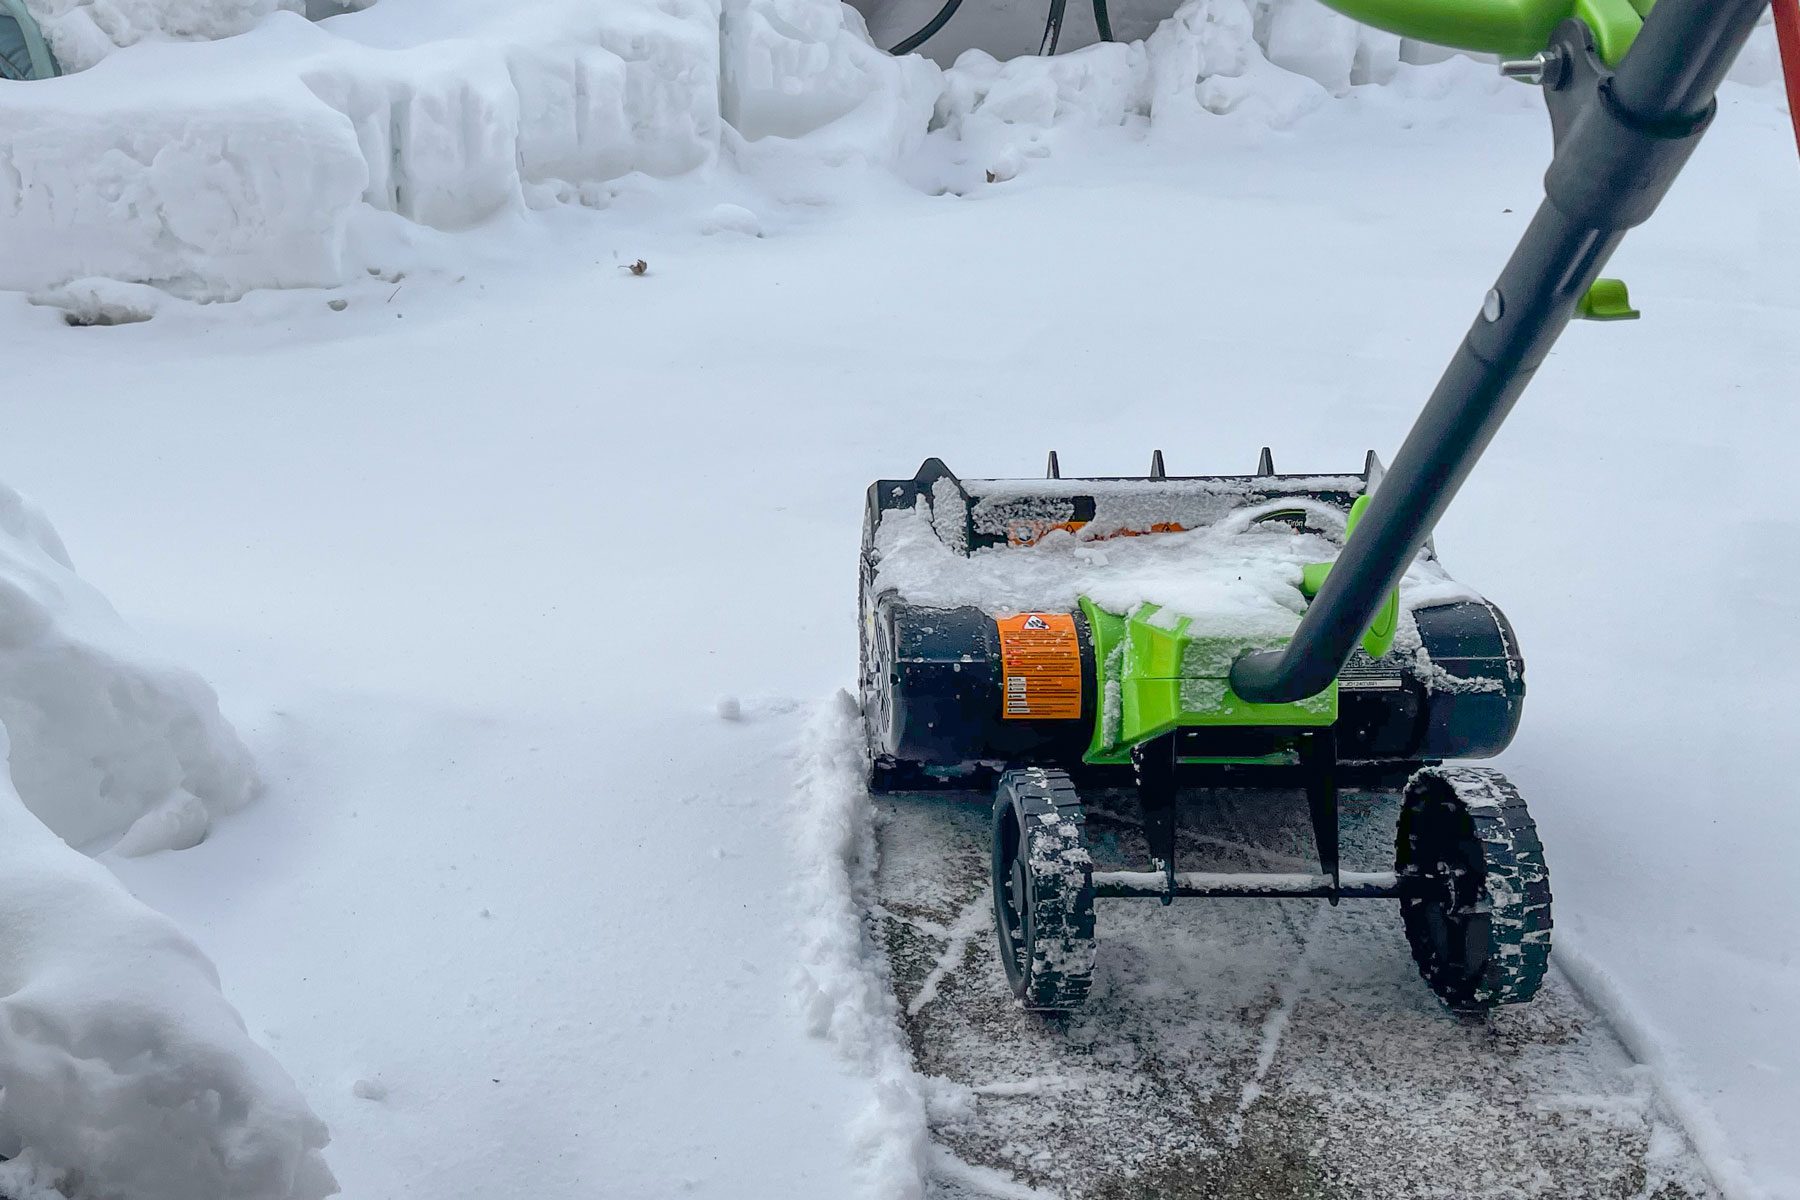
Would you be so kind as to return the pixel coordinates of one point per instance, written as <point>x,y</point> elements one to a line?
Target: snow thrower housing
<point>1030,700</point>
<point>950,693</point>
<point>1039,684</point>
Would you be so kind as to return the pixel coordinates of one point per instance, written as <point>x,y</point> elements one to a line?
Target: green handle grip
<point>1511,28</point>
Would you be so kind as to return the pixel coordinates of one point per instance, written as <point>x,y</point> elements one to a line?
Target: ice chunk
<point>103,301</point>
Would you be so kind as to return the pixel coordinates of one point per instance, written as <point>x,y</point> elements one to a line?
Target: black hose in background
<point>1102,21</point>
<point>929,30</point>
<point>1052,27</point>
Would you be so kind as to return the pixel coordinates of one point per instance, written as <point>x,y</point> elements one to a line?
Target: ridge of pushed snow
<point>108,741</point>
<point>126,1071</point>
<point>842,981</point>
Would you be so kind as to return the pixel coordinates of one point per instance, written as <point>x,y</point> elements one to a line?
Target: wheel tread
<point>1052,822</point>
<point>1515,888</point>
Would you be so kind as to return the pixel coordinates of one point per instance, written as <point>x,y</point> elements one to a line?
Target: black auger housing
<point>933,684</point>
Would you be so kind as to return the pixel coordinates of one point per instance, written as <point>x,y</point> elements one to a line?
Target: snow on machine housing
<point>1631,90</point>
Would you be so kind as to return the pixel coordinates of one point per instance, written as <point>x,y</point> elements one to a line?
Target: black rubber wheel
<point>1043,889</point>
<point>1475,893</point>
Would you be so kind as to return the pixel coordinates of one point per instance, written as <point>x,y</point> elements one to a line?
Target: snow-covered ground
<point>299,153</point>
<point>1244,1049</point>
<point>472,546</point>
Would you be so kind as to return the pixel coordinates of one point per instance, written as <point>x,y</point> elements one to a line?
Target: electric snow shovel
<point>1147,630</point>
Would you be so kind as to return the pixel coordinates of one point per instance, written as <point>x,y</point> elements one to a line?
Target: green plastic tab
<point>1615,24</point>
<point>1157,675</point>
<point>1607,300</point>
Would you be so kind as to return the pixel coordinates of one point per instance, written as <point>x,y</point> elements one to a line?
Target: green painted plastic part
<point>1511,28</point>
<point>1379,638</point>
<point>1156,676</point>
<point>1607,300</point>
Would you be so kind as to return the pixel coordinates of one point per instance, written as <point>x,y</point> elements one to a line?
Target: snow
<point>1298,35</point>
<point>101,301</point>
<point>468,552</point>
<point>1236,576</point>
<point>274,158</point>
<point>127,1073</point>
<point>846,996</point>
<point>791,67</point>
<point>82,32</point>
<point>109,742</point>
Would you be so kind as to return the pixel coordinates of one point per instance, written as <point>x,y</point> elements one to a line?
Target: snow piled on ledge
<point>212,168</point>
<point>107,742</point>
<point>273,158</point>
<point>126,1071</point>
<point>82,32</point>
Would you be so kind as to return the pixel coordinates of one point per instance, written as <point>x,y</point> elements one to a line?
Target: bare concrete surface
<point>1246,1049</point>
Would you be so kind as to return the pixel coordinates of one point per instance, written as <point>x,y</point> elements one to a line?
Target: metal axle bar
<point>1217,885</point>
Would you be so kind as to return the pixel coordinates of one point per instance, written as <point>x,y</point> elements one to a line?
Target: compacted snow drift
<point>274,158</point>
<point>108,742</point>
<point>126,1071</point>
<point>123,1069</point>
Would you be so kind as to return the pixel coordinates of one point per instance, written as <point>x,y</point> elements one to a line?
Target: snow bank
<point>843,980</point>
<point>1298,35</point>
<point>214,168</point>
<point>210,168</point>
<point>247,182</point>
<point>1260,64</point>
<point>126,1072</point>
<point>107,742</point>
<point>82,32</point>
<point>792,67</point>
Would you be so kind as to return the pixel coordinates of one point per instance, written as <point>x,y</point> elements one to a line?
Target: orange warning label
<point>1041,659</point>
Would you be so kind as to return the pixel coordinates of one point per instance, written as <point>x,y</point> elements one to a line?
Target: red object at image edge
<point>1787,32</point>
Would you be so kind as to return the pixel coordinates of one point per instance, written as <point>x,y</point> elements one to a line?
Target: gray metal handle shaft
<point>1615,161</point>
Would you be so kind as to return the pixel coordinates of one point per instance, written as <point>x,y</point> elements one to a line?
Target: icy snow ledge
<point>213,168</point>
<point>107,741</point>
<point>82,32</point>
<point>794,67</point>
<point>126,1072</point>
